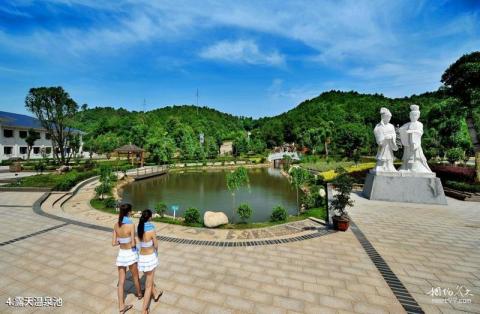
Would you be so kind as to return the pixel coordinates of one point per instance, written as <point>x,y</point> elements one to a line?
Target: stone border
<point>37,208</point>
<point>401,293</point>
<point>75,189</point>
<point>32,234</point>
<point>23,189</point>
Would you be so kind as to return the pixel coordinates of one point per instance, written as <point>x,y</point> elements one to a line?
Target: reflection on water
<point>207,190</point>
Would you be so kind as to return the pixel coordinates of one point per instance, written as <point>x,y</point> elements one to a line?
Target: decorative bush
<point>40,167</point>
<point>65,182</point>
<point>161,208</point>
<point>110,202</point>
<point>462,186</point>
<point>279,214</point>
<point>344,185</point>
<point>192,215</point>
<point>244,211</point>
<point>102,189</point>
<point>454,173</point>
<point>89,164</point>
<point>454,154</point>
<point>313,198</point>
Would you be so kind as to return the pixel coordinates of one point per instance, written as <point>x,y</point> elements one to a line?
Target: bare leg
<point>155,295</point>
<point>136,279</point>
<point>154,291</point>
<point>121,283</point>
<point>148,291</point>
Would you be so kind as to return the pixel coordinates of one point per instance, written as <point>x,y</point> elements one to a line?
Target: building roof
<point>130,148</point>
<point>11,119</point>
<point>19,120</point>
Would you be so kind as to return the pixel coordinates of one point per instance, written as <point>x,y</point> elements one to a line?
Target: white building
<point>13,131</point>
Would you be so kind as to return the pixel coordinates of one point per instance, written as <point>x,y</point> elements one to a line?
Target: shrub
<point>192,215</point>
<point>454,154</point>
<point>68,180</point>
<point>454,173</point>
<point>102,189</point>
<point>161,208</point>
<point>279,214</point>
<point>89,164</point>
<point>110,202</point>
<point>40,167</point>
<point>244,211</point>
<point>462,186</point>
<point>344,185</point>
<point>313,198</point>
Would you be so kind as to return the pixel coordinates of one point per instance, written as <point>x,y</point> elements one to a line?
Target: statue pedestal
<point>407,187</point>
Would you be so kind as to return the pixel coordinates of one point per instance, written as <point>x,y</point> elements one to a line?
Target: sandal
<point>126,308</point>
<point>158,296</point>
<point>140,296</point>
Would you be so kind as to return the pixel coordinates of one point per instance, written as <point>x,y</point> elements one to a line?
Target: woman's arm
<point>114,238</point>
<point>134,240</point>
<point>155,241</point>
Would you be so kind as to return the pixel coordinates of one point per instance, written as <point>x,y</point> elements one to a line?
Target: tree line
<point>335,122</point>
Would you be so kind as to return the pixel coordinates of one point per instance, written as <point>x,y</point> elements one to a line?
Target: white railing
<point>276,156</point>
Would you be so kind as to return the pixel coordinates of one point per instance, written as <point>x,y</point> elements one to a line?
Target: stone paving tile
<point>312,276</point>
<point>431,246</point>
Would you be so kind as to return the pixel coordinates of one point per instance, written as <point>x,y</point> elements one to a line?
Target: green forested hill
<point>345,119</point>
<point>353,117</point>
<point>166,130</point>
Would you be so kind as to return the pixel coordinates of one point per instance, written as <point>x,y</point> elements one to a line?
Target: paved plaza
<point>424,246</point>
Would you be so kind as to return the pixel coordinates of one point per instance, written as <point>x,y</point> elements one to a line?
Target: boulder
<point>214,219</point>
<point>64,169</point>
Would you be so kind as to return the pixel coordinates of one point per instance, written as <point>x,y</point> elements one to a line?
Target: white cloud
<point>241,51</point>
<point>370,41</point>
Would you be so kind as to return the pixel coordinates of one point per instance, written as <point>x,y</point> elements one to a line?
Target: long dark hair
<point>124,210</point>
<point>146,215</point>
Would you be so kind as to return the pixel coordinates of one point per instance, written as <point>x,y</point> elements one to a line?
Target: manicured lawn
<point>55,181</point>
<point>100,205</point>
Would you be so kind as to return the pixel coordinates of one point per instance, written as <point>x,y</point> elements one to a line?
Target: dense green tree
<point>106,143</point>
<point>210,146</point>
<point>351,137</point>
<point>462,80</point>
<point>31,138</point>
<point>235,180</point>
<point>160,146</point>
<point>55,110</point>
<point>298,177</point>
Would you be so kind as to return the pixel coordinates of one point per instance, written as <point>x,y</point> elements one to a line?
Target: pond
<point>207,190</point>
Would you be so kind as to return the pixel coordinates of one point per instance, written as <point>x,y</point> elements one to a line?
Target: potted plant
<point>343,184</point>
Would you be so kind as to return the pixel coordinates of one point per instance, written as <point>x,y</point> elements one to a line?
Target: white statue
<point>411,136</point>
<point>386,139</point>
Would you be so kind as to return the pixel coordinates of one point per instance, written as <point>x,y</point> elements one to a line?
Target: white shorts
<point>147,262</point>
<point>126,257</point>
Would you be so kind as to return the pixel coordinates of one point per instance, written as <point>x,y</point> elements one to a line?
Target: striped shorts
<point>126,257</point>
<point>147,262</point>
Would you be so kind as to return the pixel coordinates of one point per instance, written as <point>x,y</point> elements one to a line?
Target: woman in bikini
<point>148,258</point>
<point>124,236</point>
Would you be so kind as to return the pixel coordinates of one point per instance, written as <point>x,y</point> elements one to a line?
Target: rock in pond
<point>214,219</point>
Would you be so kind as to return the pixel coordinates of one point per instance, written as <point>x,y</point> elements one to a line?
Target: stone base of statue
<point>404,186</point>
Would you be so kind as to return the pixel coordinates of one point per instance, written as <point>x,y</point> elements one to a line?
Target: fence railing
<point>150,170</point>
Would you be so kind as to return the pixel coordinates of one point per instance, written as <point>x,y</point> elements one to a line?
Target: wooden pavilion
<point>131,150</point>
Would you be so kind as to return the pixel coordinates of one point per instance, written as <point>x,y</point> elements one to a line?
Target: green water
<point>207,190</point>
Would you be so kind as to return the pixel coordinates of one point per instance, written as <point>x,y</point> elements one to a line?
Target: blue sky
<point>252,58</point>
